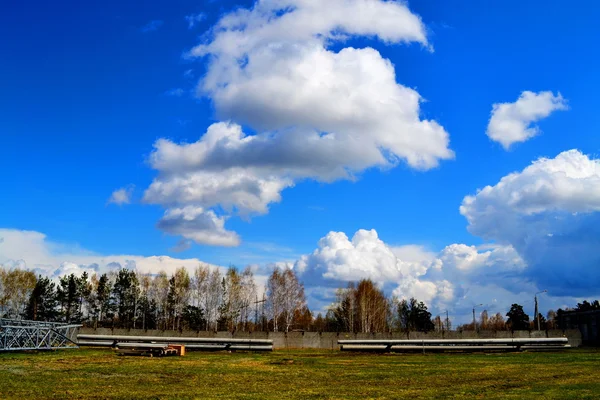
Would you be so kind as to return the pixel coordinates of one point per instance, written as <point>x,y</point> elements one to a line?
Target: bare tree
<point>497,323</point>
<point>232,298</point>
<point>213,299</point>
<point>16,286</point>
<point>199,285</point>
<point>362,307</point>
<point>145,291</point>
<point>179,294</point>
<point>247,296</point>
<point>294,297</point>
<point>275,297</point>
<point>484,320</point>
<point>285,295</point>
<point>372,307</point>
<point>159,292</point>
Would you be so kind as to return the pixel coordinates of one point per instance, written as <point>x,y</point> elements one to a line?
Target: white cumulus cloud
<point>316,113</point>
<point>121,196</point>
<point>440,279</point>
<point>456,278</point>
<point>33,250</point>
<point>512,123</point>
<point>198,225</point>
<point>550,213</point>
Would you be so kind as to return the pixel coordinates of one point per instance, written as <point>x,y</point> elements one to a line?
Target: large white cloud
<point>456,279</point>
<point>316,113</point>
<point>365,256</point>
<point>441,279</point>
<point>33,250</point>
<point>512,123</point>
<point>352,94</point>
<point>550,213</point>
<point>277,21</point>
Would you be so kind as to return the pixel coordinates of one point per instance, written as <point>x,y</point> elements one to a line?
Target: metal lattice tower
<point>18,335</point>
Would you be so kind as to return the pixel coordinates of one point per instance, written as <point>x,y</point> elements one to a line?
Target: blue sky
<point>88,88</point>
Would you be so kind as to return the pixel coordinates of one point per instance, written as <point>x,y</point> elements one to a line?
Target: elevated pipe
<point>171,339</point>
<point>380,348</point>
<point>510,341</point>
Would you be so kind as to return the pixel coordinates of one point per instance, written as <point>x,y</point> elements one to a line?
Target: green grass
<point>101,374</point>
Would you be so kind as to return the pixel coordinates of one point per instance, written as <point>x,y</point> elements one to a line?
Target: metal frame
<point>16,335</point>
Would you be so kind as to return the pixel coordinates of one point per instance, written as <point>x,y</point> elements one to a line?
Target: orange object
<point>180,349</point>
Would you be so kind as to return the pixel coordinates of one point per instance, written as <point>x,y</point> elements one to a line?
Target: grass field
<point>101,374</point>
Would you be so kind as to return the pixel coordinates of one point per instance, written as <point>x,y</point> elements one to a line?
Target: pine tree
<point>42,304</point>
<point>68,297</point>
<point>517,319</point>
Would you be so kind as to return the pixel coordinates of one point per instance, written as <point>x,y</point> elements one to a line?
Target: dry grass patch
<point>101,374</point>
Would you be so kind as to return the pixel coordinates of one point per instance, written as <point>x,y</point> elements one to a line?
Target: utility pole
<point>474,320</point>
<point>537,313</point>
<point>256,312</point>
<point>447,321</point>
<point>257,302</point>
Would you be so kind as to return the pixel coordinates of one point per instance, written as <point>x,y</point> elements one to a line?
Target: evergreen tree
<point>147,311</point>
<point>84,289</point>
<point>126,293</point>
<point>193,318</point>
<point>68,297</point>
<point>414,316</point>
<point>178,296</point>
<point>103,300</point>
<point>517,319</point>
<point>42,304</point>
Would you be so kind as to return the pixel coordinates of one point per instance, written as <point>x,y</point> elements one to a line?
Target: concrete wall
<point>328,340</point>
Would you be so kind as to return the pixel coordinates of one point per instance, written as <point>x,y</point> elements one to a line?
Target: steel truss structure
<point>18,335</point>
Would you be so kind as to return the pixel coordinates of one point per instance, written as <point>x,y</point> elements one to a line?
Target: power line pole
<point>256,312</point>
<point>262,321</point>
<point>537,313</point>
<point>474,320</point>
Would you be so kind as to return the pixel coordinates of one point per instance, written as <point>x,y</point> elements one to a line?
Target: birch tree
<point>275,295</point>
<point>179,294</point>
<point>248,295</point>
<point>16,285</point>
<point>145,301</point>
<point>213,299</point>
<point>285,295</point>
<point>231,305</point>
<point>200,285</point>
<point>293,299</point>
<point>159,293</point>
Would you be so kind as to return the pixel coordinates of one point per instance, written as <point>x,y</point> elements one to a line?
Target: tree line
<point>209,299</point>
<point>517,319</point>
<point>205,300</point>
